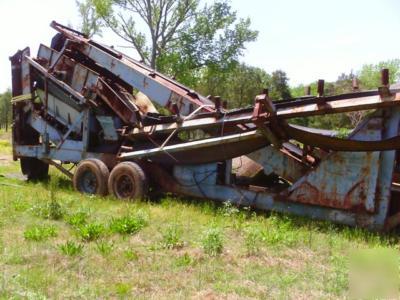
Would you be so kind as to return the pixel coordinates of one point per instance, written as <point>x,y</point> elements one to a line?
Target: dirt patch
<point>5,159</point>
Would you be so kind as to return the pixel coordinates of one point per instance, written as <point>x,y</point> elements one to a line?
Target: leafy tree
<point>5,109</point>
<point>344,83</point>
<point>279,86</point>
<point>298,91</point>
<point>216,40</point>
<point>181,36</point>
<point>245,83</point>
<point>370,74</point>
<point>91,22</point>
<point>239,85</point>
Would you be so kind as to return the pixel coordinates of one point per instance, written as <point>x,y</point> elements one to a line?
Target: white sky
<point>308,39</point>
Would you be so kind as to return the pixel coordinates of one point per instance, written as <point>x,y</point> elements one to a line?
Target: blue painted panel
<point>345,180</point>
<point>144,83</point>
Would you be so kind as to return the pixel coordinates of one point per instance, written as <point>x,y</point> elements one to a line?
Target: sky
<point>308,39</point>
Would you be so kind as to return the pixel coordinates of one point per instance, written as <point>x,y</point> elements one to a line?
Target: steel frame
<point>349,181</point>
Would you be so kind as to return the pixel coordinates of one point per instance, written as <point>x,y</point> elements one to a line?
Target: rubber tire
<point>100,172</point>
<point>137,177</point>
<point>34,169</point>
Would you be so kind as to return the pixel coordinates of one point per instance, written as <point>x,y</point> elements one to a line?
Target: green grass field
<point>56,243</point>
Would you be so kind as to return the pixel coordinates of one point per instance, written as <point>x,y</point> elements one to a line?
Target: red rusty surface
<point>321,187</point>
<point>354,200</point>
<point>16,70</point>
<point>108,94</point>
<point>246,167</point>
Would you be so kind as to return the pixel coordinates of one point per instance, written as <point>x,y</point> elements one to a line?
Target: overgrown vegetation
<point>5,110</point>
<point>70,248</point>
<point>77,219</point>
<point>104,247</point>
<point>56,243</point>
<point>90,232</point>
<point>174,248</point>
<point>212,241</point>
<point>40,232</point>
<point>129,224</point>
<point>172,237</point>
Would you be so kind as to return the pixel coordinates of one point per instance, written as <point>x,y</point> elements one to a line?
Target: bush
<point>40,233</point>
<point>91,232</point>
<point>172,237</point>
<point>212,241</point>
<point>130,224</point>
<point>70,248</point>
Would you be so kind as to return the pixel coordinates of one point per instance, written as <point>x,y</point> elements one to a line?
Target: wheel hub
<point>124,186</point>
<point>89,182</point>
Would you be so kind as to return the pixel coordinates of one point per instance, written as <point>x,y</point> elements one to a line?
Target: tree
<point>344,83</point>
<point>91,22</point>
<point>245,83</point>
<point>279,86</point>
<point>239,85</point>
<point>5,109</point>
<point>215,40</point>
<point>180,36</point>
<point>370,75</point>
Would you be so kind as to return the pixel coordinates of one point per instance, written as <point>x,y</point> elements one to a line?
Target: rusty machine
<point>83,103</point>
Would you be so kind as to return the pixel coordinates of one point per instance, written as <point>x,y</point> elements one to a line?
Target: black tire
<point>90,177</point>
<point>34,169</point>
<point>127,181</point>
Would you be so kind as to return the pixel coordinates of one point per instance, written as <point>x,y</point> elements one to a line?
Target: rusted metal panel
<point>160,90</point>
<point>65,87</point>
<point>279,162</point>
<point>79,77</point>
<point>245,167</point>
<point>126,111</point>
<point>344,180</point>
<point>193,183</point>
<point>46,55</point>
<point>59,109</point>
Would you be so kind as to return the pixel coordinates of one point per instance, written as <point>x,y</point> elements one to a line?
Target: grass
<point>71,248</point>
<point>212,241</point>
<point>40,232</point>
<point>56,243</point>
<point>91,232</point>
<point>48,210</point>
<point>172,237</point>
<point>130,224</point>
<point>77,219</point>
<point>104,247</point>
